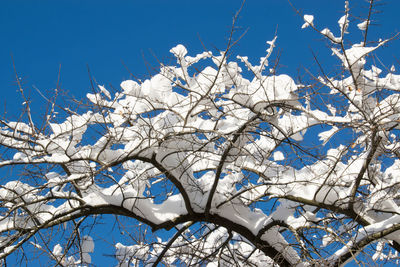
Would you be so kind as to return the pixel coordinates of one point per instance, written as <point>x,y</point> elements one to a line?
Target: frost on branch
<point>241,165</point>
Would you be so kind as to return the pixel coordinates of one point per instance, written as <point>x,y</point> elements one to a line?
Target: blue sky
<point>43,35</point>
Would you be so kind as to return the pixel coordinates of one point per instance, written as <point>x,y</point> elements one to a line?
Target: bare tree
<point>226,159</point>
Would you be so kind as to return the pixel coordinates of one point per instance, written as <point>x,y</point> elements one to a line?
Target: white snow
<point>363,25</point>
<point>179,51</point>
<point>309,20</point>
<point>278,155</point>
<point>87,244</point>
<point>57,250</point>
<point>105,91</point>
<point>343,23</point>
<point>191,121</point>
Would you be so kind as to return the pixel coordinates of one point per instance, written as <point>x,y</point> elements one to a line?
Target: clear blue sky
<point>45,34</point>
<point>42,35</point>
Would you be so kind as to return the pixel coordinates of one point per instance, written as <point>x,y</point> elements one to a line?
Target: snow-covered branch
<point>229,159</point>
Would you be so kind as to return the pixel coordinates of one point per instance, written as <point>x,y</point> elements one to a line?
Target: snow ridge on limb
<point>222,159</point>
